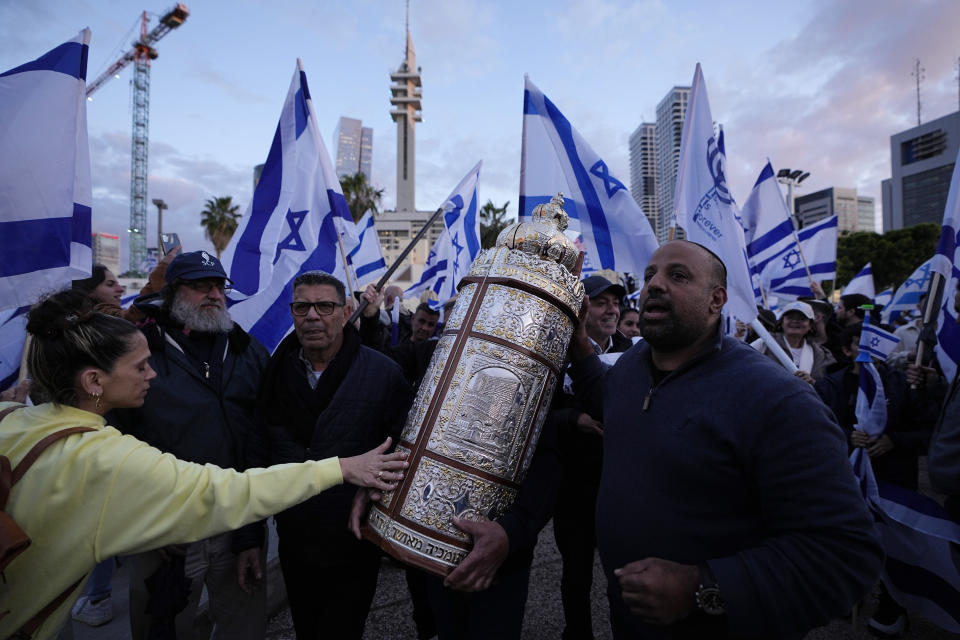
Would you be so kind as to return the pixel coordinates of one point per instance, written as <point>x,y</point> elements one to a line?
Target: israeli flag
<point>45,193</point>
<point>861,283</point>
<point>920,541</point>
<point>883,298</point>
<point>764,212</point>
<point>298,221</point>
<point>918,537</point>
<point>458,244</point>
<point>554,158</point>
<point>818,242</point>
<point>366,259</point>
<point>767,228</point>
<point>703,205</point>
<point>907,296</point>
<point>875,342</point>
<point>946,262</point>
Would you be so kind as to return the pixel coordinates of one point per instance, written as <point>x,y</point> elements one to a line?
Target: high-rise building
<point>366,152</point>
<point>106,251</point>
<point>670,114</point>
<point>354,145</point>
<point>406,92</point>
<point>854,212</point>
<point>643,171</point>
<point>921,165</point>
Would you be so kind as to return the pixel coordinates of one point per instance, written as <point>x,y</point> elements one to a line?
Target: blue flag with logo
<point>45,192</point>
<point>703,204</point>
<point>946,261</point>
<point>298,221</point>
<point>366,259</point>
<point>456,247</point>
<point>554,158</point>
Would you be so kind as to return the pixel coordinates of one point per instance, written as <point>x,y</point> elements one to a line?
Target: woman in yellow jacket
<point>98,494</point>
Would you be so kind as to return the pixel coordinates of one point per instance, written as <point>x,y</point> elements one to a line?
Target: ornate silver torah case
<point>474,425</point>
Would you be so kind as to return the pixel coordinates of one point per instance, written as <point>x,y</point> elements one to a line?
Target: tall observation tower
<point>405,99</point>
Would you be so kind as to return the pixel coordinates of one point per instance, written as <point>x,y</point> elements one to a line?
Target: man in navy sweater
<point>727,506</point>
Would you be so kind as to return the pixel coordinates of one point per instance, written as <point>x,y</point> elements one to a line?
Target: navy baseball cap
<point>195,265</point>
<point>595,285</point>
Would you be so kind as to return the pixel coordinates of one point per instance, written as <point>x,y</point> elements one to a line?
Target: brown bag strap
<point>26,631</point>
<point>9,478</point>
<point>39,448</point>
<point>9,410</point>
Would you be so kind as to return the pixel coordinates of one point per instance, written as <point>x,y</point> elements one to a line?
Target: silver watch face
<point>710,601</point>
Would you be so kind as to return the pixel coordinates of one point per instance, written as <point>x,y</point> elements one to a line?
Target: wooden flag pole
<point>346,267</point>
<point>396,263</point>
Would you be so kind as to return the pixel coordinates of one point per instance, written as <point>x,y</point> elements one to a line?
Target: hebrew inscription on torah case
<point>474,424</point>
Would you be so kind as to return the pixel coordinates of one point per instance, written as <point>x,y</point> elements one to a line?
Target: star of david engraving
<point>610,184</point>
<point>791,259</point>
<point>293,241</point>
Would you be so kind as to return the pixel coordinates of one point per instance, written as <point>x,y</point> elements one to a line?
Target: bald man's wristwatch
<point>708,597</point>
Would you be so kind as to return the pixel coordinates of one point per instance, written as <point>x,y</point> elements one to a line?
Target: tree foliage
<point>893,256</point>
<point>360,195</point>
<point>219,220</point>
<point>492,222</point>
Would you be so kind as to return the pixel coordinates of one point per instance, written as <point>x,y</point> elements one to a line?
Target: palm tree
<point>360,195</point>
<point>219,219</point>
<point>492,222</point>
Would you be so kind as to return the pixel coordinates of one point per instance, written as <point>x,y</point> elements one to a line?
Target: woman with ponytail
<point>97,493</point>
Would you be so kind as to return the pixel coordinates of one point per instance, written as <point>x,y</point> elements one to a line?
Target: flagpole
<point>931,308</point>
<point>346,266</point>
<point>763,294</point>
<point>396,263</point>
<point>803,259</point>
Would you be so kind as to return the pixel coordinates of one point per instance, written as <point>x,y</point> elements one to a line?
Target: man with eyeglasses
<point>200,407</point>
<point>324,394</point>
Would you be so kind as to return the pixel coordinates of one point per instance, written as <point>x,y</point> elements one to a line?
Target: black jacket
<point>370,403</point>
<point>196,418</point>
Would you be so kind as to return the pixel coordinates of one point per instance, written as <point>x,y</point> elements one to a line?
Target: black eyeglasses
<point>204,286</point>
<point>324,307</point>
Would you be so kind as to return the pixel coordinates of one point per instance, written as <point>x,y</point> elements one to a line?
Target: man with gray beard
<point>200,408</point>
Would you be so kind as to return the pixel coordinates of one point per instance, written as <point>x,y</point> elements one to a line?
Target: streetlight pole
<point>792,178</point>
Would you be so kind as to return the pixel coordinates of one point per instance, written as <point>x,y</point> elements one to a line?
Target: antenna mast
<point>918,74</point>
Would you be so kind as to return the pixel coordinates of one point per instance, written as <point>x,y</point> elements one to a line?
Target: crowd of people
<point>714,483</point>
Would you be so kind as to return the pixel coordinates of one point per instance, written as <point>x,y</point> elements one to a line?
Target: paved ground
<point>390,617</point>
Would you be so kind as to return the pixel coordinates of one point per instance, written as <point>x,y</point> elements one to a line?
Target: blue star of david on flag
<point>459,248</point>
<point>611,184</point>
<point>791,259</point>
<point>293,241</point>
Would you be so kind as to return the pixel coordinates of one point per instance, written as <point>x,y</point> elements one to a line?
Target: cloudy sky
<point>813,84</point>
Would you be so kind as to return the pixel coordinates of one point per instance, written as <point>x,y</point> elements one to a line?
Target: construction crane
<point>141,54</point>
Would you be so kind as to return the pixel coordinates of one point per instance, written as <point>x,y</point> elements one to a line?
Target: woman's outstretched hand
<point>375,468</point>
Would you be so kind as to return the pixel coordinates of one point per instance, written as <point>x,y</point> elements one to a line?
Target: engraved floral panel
<point>525,320</point>
<point>439,491</point>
